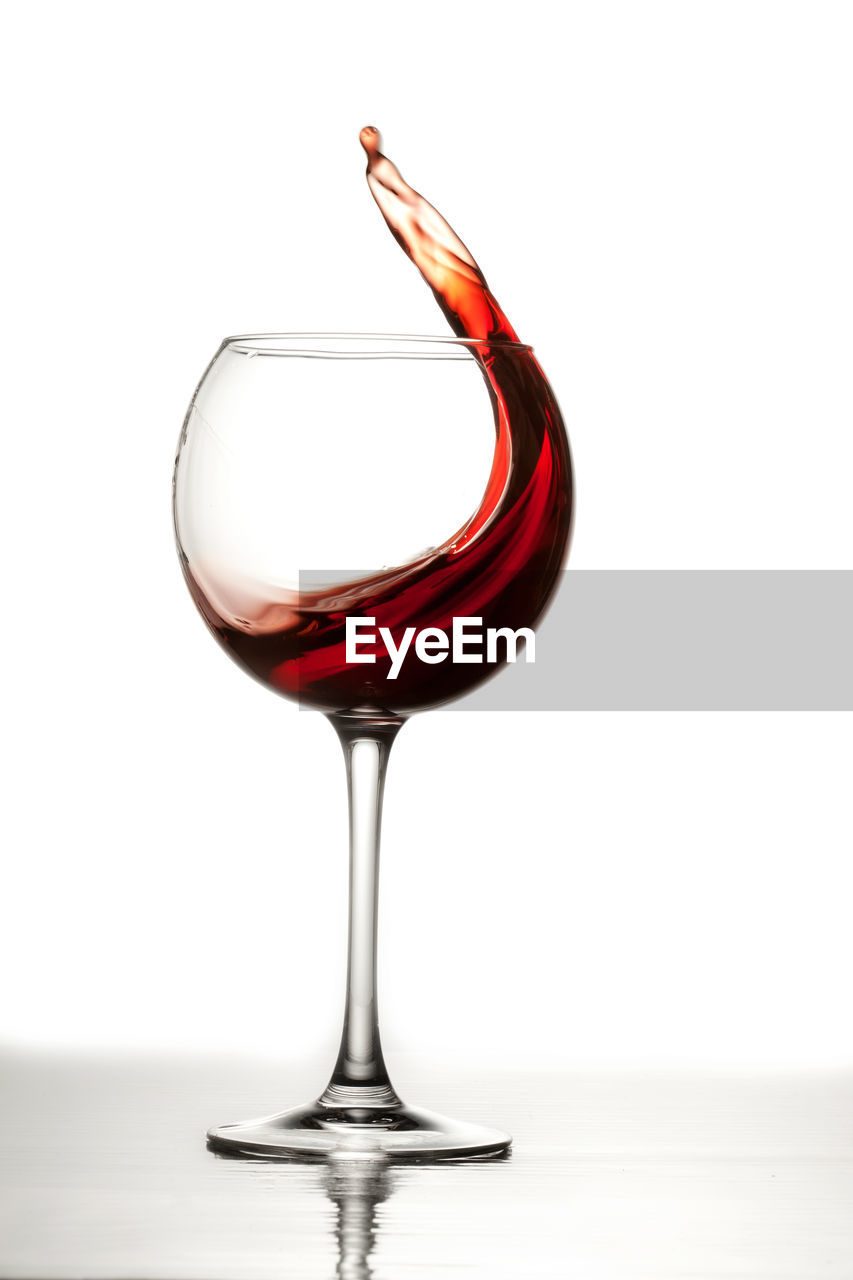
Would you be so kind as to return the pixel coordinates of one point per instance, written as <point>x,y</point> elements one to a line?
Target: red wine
<point>502,566</point>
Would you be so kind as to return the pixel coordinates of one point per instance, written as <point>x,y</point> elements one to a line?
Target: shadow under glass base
<point>393,1132</point>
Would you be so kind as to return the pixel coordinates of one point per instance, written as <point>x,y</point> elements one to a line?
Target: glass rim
<point>346,344</point>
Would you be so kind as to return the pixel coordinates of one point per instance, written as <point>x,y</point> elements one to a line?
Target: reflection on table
<point>626,1176</point>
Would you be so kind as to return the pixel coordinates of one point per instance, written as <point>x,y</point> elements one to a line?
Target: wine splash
<point>443,260</point>
<point>501,566</point>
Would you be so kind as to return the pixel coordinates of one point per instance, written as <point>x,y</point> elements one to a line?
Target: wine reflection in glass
<point>305,462</point>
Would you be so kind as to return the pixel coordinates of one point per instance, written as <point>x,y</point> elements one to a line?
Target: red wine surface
<point>502,566</point>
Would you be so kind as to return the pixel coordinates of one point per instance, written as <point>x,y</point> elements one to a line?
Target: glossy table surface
<point>612,1176</point>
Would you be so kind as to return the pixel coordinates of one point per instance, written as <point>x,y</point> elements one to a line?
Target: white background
<point>661,197</point>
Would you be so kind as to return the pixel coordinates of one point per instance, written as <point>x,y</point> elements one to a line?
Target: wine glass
<point>399,483</point>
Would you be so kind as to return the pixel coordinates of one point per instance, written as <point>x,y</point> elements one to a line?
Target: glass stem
<point>360,1078</point>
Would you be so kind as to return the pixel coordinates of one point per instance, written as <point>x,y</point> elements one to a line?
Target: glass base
<point>393,1132</point>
